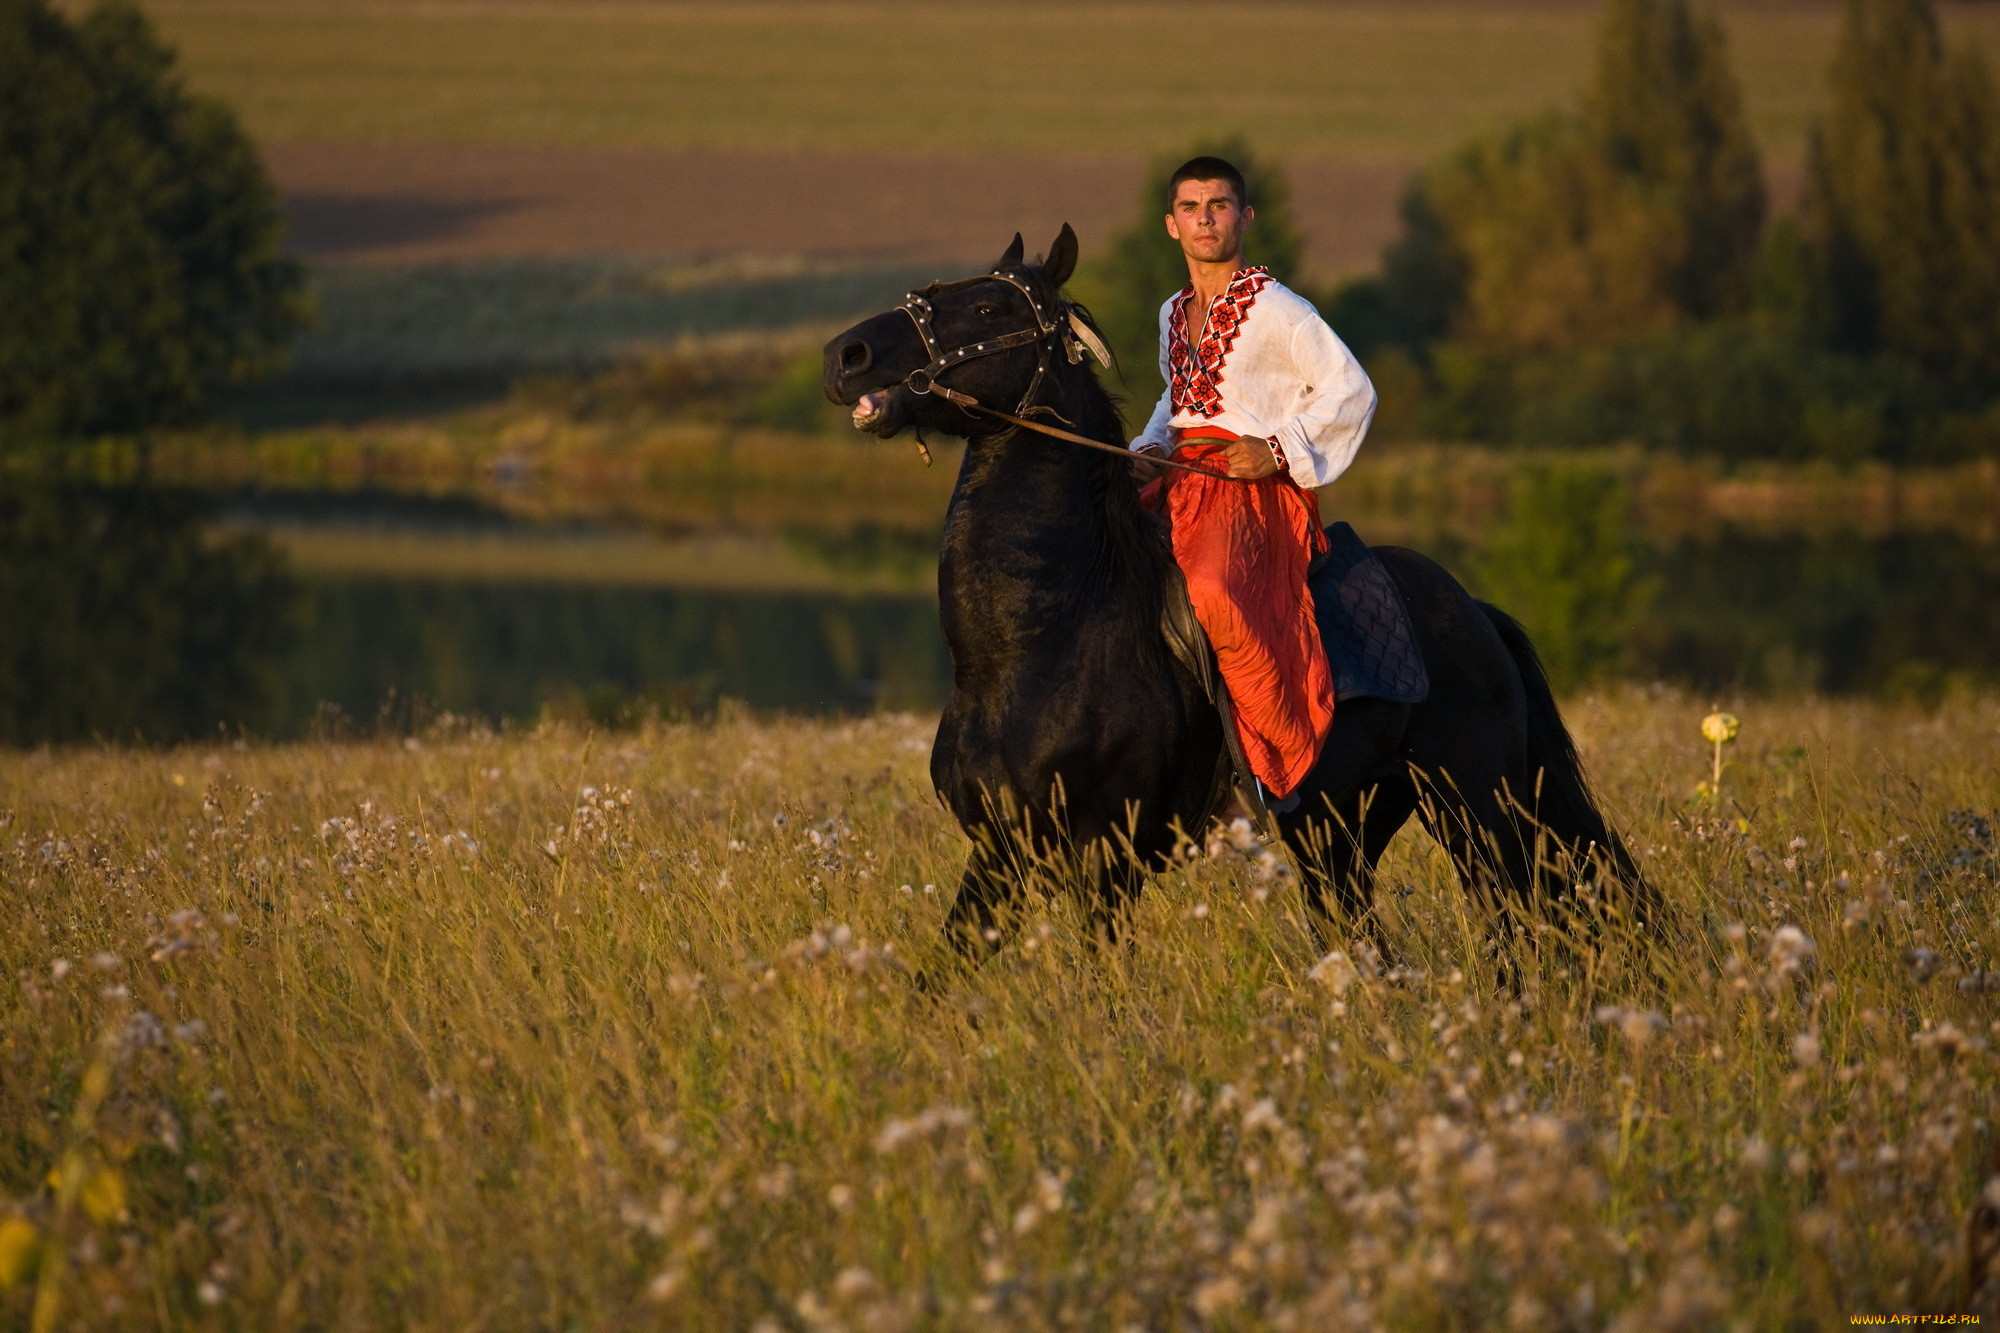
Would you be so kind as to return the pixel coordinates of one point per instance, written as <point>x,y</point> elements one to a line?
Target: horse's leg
<point>974,925</point>
<point>1114,866</point>
<point>1337,849</point>
<point>1470,817</point>
<point>1350,805</point>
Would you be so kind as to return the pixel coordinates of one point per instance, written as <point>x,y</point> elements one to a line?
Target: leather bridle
<point>917,305</point>
<point>1062,327</point>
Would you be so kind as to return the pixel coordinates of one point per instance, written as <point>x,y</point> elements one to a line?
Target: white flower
<point>1805,1049</point>
<point>1790,948</point>
<point>1335,972</point>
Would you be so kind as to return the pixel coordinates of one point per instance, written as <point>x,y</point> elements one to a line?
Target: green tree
<point>139,235</point>
<point>1902,206</point>
<point>1143,265</point>
<point>1640,211</point>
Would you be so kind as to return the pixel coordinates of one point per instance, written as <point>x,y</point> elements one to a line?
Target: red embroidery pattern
<point>1198,372</point>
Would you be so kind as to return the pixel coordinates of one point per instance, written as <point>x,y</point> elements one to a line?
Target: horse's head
<point>993,336</point>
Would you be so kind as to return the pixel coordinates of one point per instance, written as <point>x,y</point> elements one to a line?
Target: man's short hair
<point>1207,169</point>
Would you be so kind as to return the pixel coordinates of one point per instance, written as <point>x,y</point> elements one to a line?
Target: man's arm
<point>1322,438</point>
<point>1158,437</point>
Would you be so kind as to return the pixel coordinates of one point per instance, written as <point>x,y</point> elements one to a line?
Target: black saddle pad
<point>1364,624</point>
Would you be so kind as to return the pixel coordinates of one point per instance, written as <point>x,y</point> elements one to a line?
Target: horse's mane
<point>1135,542</point>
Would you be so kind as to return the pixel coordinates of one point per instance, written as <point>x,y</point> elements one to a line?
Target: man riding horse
<point>1259,387</point>
<point>1082,742</point>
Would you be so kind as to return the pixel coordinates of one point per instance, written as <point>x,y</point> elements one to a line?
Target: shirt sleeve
<point>1336,404</point>
<point>1159,433</point>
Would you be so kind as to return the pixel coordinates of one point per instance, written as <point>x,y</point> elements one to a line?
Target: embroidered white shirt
<point>1268,366</point>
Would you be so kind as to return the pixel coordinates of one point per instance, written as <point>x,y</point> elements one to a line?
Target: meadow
<point>554,1028</point>
<point>1377,80</point>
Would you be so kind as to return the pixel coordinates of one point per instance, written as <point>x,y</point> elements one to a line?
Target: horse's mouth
<point>878,413</point>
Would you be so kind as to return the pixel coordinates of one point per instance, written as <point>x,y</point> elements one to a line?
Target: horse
<point>1074,731</point>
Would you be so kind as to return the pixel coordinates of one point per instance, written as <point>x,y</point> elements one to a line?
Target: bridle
<point>1047,331</point>
<point>1062,328</point>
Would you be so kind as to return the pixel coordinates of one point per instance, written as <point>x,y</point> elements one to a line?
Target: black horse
<point>1074,730</point>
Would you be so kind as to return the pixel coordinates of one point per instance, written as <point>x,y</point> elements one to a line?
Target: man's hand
<point>1250,458</point>
<point>1144,469</point>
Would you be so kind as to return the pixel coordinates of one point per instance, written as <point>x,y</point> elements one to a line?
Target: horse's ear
<point>1012,259</point>
<point>1061,262</point>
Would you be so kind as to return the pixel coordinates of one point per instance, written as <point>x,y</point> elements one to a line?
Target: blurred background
<point>367,362</point>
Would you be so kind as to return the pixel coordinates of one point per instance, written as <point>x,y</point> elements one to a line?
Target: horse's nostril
<point>856,356</point>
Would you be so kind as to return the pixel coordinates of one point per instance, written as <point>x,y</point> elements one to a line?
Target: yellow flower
<point>1720,728</point>
<point>17,1250</point>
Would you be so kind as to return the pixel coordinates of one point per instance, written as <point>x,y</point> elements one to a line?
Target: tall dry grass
<point>581,1031</point>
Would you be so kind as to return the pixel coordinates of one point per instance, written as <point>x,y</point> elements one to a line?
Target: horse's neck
<point>1020,492</point>
<point>1043,538</point>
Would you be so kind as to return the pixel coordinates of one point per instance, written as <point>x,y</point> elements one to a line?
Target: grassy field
<point>563,1030</point>
<point>1330,80</point>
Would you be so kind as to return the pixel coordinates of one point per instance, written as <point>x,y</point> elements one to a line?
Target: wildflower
<point>1637,1025</point>
<point>665,1286</point>
<point>1790,948</point>
<point>898,1132</point>
<point>1946,1040</point>
<point>1806,1049</point>
<point>59,969</point>
<point>1335,973</point>
<point>210,1292</point>
<point>1755,1155</point>
<point>853,1285</point>
<point>1217,1295</point>
<point>142,1029</point>
<point>841,1197</point>
<point>106,961</point>
<point>1923,963</point>
<point>1720,728</point>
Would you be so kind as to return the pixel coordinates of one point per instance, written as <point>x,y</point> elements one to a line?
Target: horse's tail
<point>1564,805</point>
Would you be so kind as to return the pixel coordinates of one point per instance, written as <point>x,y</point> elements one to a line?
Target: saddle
<point>1363,623</point>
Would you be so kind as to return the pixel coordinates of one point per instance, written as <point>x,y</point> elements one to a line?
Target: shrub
<point>1729,387</point>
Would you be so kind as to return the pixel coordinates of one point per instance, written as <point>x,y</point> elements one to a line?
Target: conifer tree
<point>1575,230</point>
<point>1667,112</point>
<point>139,235</point>
<point>1902,207</point>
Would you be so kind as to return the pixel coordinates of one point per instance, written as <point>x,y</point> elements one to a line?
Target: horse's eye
<point>987,311</point>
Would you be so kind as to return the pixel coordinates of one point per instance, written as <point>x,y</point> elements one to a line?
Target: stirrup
<point>1284,807</point>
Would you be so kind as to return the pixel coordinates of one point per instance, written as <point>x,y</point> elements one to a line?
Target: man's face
<point>1208,221</point>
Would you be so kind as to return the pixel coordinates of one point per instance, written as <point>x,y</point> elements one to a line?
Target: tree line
<point>1612,271</point>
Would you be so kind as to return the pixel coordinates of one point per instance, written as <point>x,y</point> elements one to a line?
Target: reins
<point>971,404</point>
<point>1065,328</point>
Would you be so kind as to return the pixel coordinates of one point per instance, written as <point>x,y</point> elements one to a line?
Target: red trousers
<point>1243,549</point>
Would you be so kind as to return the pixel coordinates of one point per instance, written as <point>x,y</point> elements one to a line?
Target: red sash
<point>1244,551</point>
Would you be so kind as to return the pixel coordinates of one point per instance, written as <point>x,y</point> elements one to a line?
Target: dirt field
<point>413,203</point>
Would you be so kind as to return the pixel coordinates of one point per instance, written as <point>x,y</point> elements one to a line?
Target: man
<point>1259,388</point>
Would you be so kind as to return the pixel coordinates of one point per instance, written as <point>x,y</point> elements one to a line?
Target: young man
<point>1260,388</point>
